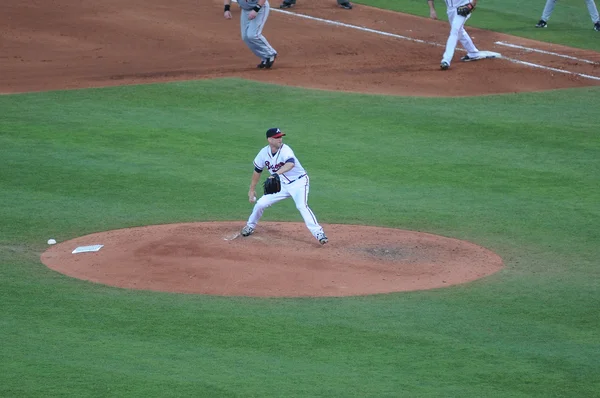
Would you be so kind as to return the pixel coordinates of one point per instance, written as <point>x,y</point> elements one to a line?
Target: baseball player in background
<point>278,158</point>
<point>253,17</point>
<point>342,3</point>
<point>457,31</point>
<point>549,7</point>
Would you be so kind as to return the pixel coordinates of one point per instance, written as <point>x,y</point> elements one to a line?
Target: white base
<point>487,55</point>
<point>85,249</point>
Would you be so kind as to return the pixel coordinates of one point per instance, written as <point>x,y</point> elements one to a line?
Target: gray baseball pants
<point>252,32</point>
<point>591,6</point>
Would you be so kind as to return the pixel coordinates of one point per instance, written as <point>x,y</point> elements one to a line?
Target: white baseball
<point>51,241</point>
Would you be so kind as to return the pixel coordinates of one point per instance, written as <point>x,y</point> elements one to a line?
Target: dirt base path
<point>74,44</point>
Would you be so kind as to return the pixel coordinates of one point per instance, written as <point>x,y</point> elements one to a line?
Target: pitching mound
<point>279,260</point>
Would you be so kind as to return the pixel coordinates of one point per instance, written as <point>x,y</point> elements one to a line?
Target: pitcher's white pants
<point>297,190</point>
<point>458,33</point>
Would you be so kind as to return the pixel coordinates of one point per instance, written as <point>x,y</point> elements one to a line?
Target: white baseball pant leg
<point>297,190</point>
<point>458,33</point>
<point>252,33</point>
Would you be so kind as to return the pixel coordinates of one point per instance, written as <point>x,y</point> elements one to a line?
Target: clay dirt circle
<point>280,259</point>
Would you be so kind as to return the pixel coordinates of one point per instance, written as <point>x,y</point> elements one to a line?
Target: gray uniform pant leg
<point>252,33</point>
<point>548,8</point>
<point>593,10</point>
<point>591,6</point>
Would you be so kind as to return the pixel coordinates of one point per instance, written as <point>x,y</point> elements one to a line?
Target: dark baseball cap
<point>274,133</point>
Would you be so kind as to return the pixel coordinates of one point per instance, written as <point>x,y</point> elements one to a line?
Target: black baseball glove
<point>272,184</point>
<point>465,10</point>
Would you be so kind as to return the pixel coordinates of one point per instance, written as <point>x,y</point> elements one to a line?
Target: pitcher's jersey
<point>265,159</point>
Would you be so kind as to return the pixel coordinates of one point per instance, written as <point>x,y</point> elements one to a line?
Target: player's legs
<point>264,202</point>
<point>457,24</point>
<point>548,8</point>
<point>299,192</point>
<point>467,43</point>
<point>593,10</point>
<point>252,33</point>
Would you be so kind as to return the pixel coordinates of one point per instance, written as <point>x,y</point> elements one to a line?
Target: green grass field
<point>518,177</point>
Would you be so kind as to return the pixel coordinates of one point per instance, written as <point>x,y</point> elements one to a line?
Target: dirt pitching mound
<point>278,260</point>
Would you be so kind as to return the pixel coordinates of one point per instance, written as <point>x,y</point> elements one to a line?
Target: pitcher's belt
<point>302,176</point>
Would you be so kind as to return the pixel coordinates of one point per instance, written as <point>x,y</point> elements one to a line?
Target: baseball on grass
<point>51,241</point>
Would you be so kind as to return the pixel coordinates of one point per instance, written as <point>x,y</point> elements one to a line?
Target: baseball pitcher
<point>289,177</point>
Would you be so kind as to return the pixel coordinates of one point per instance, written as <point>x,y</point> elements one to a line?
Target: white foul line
<point>516,61</point>
<point>327,21</point>
<point>501,43</point>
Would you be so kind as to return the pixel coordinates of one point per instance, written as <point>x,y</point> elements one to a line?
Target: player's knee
<point>252,39</point>
<point>263,205</point>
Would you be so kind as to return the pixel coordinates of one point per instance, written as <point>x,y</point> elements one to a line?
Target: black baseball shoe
<point>444,65</point>
<point>542,24</point>
<point>270,61</point>
<point>597,26</point>
<point>287,4</point>
<point>466,58</point>
<point>346,5</point>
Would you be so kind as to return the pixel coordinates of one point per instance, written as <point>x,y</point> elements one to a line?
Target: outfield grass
<point>77,162</point>
<point>520,176</point>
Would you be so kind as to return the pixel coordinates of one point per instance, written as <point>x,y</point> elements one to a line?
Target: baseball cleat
<point>444,65</point>
<point>346,5</point>
<point>597,26</point>
<point>542,24</point>
<point>270,61</point>
<point>322,238</point>
<point>466,58</point>
<point>287,4</point>
<point>247,230</point>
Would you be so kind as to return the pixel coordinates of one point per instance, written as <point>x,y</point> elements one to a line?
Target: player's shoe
<point>267,63</point>
<point>542,24</point>
<point>444,65</point>
<point>597,26</point>
<point>322,238</point>
<point>270,61</point>
<point>247,230</point>
<point>287,4</point>
<point>346,5</point>
<point>466,58</point>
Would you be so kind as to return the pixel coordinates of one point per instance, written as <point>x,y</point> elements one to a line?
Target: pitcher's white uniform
<point>294,184</point>
<point>458,32</point>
